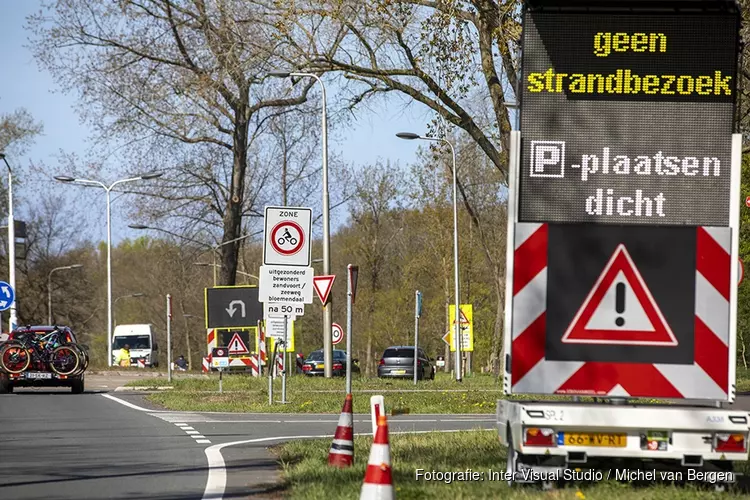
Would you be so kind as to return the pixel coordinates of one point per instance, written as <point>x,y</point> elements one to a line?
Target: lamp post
<point>11,247</point>
<point>457,327</point>
<point>215,248</point>
<point>49,288</point>
<point>108,190</point>
<point>114,305</point>
<point>327,308</point>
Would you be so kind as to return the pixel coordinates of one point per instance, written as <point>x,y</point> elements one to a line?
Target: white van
<point>141,340</point>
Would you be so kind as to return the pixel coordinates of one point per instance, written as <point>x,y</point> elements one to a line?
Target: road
<point>106,444</point>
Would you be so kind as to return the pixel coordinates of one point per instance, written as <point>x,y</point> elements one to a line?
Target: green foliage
<point>743,296</point>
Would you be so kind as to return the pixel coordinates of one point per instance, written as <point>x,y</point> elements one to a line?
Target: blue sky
<point>24,85</point>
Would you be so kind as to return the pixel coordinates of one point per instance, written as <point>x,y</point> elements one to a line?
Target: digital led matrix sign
<point>627,118</point>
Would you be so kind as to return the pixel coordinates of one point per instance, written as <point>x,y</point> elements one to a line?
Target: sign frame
<point>292,248</point>
<point>214,313</point>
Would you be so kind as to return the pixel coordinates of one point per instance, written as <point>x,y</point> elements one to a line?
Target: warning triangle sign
<point>237,346</point>
<point>323,285</point>
<point>462,319</point>
<point>620,309</point>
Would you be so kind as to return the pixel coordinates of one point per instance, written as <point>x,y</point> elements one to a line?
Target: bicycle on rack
<point>49,351</point>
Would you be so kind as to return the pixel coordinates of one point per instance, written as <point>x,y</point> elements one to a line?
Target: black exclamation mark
<point>620,303</point>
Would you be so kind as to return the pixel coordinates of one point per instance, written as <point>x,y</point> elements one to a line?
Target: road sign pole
<point>417,300</point>
<point>284,367</point>
<point>271,366</point>
<point>221,370</point>
<point>169,339</point>
<point>349,299</point>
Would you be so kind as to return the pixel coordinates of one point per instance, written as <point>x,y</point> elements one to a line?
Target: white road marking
<point>217,474</point>
<point>198,436</point>
<point>203,441</point>
<point>131,405</point>
<point>192,432</point>
<point>180,424</point>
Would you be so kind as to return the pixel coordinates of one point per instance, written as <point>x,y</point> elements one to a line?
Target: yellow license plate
<point>398,372</point>
<point>320,366</point>
<point>595,439</point>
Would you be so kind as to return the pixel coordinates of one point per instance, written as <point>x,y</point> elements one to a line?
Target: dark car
<point>35,377</point>
<point>314,365</point>
<point>398,362</point>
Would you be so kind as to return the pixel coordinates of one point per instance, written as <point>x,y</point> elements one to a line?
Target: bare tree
<point>175,84</point>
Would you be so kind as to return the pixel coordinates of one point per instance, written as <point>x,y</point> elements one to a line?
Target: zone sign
<point>287,236</point>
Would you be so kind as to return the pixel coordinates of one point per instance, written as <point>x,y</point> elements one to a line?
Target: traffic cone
<point>378,483</point>
<point>342,448</point>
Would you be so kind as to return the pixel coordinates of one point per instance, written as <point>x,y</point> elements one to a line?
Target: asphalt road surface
<point>101,444</point>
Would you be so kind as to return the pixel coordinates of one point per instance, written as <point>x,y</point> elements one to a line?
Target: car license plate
<point>398,372</point>
<point>320,366</point>
<point>43,375</point>
<point>594,439</point>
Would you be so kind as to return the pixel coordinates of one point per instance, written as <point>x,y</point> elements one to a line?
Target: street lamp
<point>114,305</point>
<point>456,331</point>
<point>108,189</point>
<point>49,288</point>
<point>215,248</point>
<point>327,308</point>
<point>11,247</point>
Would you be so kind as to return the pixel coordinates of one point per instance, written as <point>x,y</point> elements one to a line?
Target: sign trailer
<point>623,219</point>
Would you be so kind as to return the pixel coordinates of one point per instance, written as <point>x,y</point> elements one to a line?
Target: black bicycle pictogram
<point>287,237</point>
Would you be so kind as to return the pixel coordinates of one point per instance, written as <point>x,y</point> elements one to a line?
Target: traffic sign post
<point>220,360</point>
<point>351,291</point>
<point>417,314</point>
<point>232,307</point>
<point>169,338</point>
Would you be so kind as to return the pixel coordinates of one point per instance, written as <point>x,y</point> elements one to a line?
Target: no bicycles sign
<point>287,236</point>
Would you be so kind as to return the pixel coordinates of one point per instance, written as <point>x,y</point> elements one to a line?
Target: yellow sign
<point>270,341</point>
<point>466,324</point>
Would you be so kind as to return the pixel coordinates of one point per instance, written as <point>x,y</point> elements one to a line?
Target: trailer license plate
<point>595,439</point>
<point>43,375</point>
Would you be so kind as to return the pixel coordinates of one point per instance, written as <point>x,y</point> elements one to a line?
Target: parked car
<point>398,362</point>
<point>314,365</point>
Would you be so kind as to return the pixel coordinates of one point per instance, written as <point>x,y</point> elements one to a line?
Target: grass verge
<point>242,393</point>
<point>307,475</point>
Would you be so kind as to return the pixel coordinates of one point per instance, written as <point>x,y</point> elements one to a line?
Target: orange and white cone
<point>342,448</point>
<point>378,483</point>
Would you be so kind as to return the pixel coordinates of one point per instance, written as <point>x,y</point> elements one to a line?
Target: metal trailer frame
<point>691,433</point>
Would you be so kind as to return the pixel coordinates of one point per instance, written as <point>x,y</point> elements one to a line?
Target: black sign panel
<point>627,118</point>
<point>232,307</point>
<point>665,259</point>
